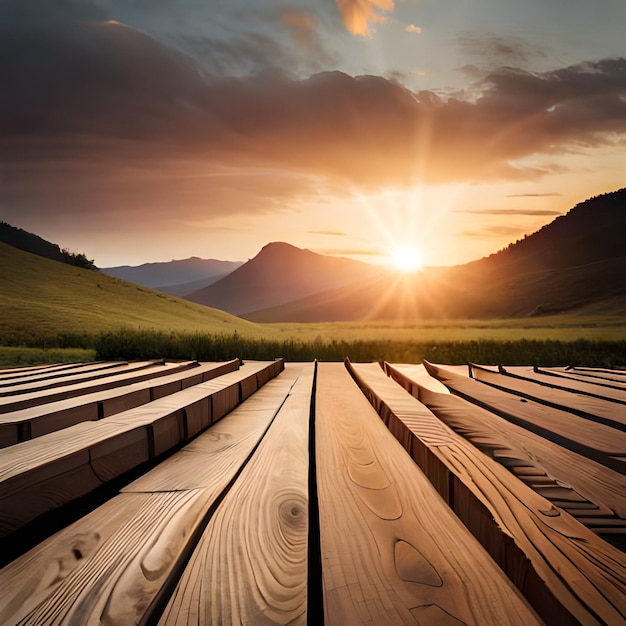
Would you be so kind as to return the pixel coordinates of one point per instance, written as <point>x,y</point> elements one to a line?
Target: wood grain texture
<point>392,551</point>
<point>39,420</point>
<point>567,376</point>
<point>570,481</point>
<point>594,408</point>
<point>77,377</point>
<point>51,374</point>
<point>42,474</point>
<point>250,566</point>
<point>116,565</point>
<point>200,463</point>
<point>599,442</point>
<point>45,396</point>
<point>569,574</point>
<point>8,372</point>
<point>598,372</point>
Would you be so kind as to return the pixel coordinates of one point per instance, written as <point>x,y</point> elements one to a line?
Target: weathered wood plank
<point>594,408</point>
<point>392,551</point>
<point>44,396</point>
<point>250,567</point>
<point>43,377</point>
<point>594,382</point>
<point>599,372</point>
<point>539,463</point>
<point>33,473</point>
<point>118,564</point>
<point>39,420</point>
<point>77,377</point>
<point>7,372</point>
<point>596,441</point>
<point>567,573</point>
<point>536,456</point>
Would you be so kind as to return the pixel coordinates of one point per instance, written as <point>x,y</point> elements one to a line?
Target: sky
<point>138,131</point>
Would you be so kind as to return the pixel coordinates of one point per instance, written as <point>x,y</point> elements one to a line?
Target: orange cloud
<point>92,128</point>
<point>302,25</point>
<point>357,14</point>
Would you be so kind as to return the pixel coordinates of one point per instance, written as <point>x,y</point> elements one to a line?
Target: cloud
<point>357,14</point>
<point>508,212</point>
<point>412,28</point>
<point>348,251</point>
<point>495,231</point>
<point>110,116</point>
<point>533,195</point>
<point>331,233</point>
<point>302,25</point>
<point>497,50</point>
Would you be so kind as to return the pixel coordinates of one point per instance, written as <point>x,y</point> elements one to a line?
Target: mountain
<point>278,274</point>
<point>178,277</point>
<point>575,263</point>
<point>34,244</point>
<point>29,242</point>
<point>40,297</point>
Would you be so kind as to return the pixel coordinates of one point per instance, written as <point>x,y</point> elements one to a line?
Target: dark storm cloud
<point>106,98</point>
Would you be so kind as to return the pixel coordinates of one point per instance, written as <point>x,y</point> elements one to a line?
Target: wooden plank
<point>20,369</point>
<point>119,563</point>
<point>594,408</point>
<point>566,572</point>
<point>38,420</point>
<point>595,441</point>
<point>599,372</point>
<point>527,454</point>
<point>83,376</point>
<point>250,565</point>
<point>392,551</point>
<point>592,381</point>
<point>50,375</point>
<point>30,472</point>
<point>44,396</point>
<point>43,474</point>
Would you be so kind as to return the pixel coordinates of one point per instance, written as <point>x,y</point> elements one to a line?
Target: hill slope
<point>278,274</point>
<point>39,296</point>
<point>575,263</point>
<point>177,276</point>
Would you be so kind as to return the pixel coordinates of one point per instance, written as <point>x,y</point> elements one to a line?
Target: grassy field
<point>40,298</point>
<point>36,356</point>
<point>147,344</point>
<point>557,327</point>
<point>50,312</point>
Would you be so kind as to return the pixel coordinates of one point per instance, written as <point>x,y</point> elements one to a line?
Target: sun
<point>406,258</point>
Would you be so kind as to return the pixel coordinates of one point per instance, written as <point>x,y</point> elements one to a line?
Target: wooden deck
<point>273,493</point>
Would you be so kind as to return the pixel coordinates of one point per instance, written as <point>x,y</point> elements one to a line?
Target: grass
<point>145,345</point>
<point>43,298</point>
<point>38,356</point>
<point>51,312</point>
<point>557,327</point>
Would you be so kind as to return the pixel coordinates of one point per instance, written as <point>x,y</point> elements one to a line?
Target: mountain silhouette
<point>176,277</point>
<point>278,274</point>
<point>575,263</point>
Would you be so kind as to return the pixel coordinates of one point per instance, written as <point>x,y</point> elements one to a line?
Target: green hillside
<point>40,297</point>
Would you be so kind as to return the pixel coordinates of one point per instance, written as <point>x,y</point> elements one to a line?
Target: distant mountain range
<point>177,277</point>
<point>278,274</point>
<point>577,263</point>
